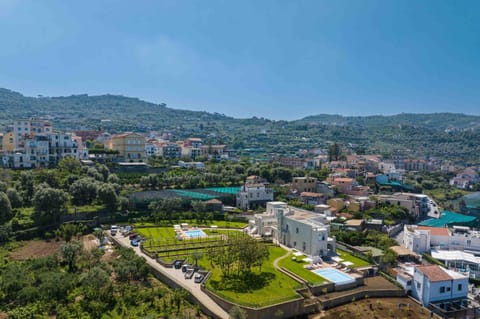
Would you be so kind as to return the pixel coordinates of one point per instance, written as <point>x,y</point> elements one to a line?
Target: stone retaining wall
<point>283,310</point>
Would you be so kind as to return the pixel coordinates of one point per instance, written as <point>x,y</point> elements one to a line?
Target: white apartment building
<point>23,128</point>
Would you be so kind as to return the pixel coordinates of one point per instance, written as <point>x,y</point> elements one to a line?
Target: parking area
<point>178,277</point>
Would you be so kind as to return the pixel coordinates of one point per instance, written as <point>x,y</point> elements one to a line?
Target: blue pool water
<point>195,233</point>
<point>333,275</point>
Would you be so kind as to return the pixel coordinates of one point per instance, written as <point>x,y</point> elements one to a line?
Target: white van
<point>113,230</point>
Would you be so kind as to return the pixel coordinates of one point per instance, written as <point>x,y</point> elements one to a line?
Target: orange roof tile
<point>310,194</point>
<point>435,231</point>
<point>434,272</point>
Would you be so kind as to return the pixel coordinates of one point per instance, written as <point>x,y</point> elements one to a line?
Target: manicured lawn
<point>278,287</point>
<point>157,233</point>
<point>357,262</point>
<point>297,267</point>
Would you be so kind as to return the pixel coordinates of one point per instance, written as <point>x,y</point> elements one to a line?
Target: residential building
<point>417,204</point>
<point>341,184</point>
<point>432,283</point>
<point>130,146</point>
<point>355,224</point>
<point>8,144</point>
<point>304,184</point>
<point>303,230</point>
<point>465,179</point>
<point>61,145</point>
<point>311,198</point>
<point>214,151</point>
<point>325,189</point>
<point>170,150</point>
<point>192,147</point>
<point>42,150</point>
<point>422,239</point>
<point>458,260</point>
<point>253,194</point>
<point>26,127</point>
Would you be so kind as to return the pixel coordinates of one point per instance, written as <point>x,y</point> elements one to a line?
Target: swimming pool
<point>333,275</point>
<point>196,233</point>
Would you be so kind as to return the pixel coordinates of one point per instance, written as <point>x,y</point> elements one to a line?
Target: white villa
<point>301,229</point>
<point>432,283</point>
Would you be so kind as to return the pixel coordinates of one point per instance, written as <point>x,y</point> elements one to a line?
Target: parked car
<point>198,278</point>
<point>189,274</point>
<point>134,242</point>
<point>185,267</point>
<point>178,264</point>
<point>113,230</point>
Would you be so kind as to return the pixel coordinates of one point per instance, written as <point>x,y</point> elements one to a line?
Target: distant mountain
<point>107,111</point>
<point>413,135</point>
<point>438,121</point>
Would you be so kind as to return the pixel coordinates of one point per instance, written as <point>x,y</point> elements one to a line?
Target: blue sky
<point>277,59</point>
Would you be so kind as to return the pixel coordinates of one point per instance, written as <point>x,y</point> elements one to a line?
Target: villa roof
<point>434,272</point>
<point>354,222</point>
<point>435,231</point>
<point>311,194</point>
<point>402,251</point>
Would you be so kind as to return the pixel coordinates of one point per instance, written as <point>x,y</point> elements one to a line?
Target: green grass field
<point>297,267</point>
<point>357,262</point>
<point>279,287</point>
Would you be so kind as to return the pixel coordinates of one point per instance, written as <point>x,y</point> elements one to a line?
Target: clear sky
<point>277,59</point>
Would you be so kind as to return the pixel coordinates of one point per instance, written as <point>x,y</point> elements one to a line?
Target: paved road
<point>177,276</point>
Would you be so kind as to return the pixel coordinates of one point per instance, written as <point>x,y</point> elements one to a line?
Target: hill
<point>412,135</point>
<point>437,121</point>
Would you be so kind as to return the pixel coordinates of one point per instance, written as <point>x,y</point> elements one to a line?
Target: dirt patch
<point>89,242</point>
<point>36,249</point>
<point>377,308</point>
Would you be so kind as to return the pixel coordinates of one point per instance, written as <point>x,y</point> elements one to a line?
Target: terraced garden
<point>297,266</point>
<point>357,262</point>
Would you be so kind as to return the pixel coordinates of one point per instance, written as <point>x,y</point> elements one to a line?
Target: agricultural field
<point>377,308</point>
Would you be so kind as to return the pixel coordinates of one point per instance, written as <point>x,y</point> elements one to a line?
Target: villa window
<point>442,290</point>
<point>459,287</point>
<point>296,230</point>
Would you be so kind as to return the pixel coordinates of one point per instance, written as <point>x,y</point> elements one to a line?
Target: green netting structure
<point>226,190</point>
<point>448,218</point>
<point>197,194</point>
<point>192,194</point>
